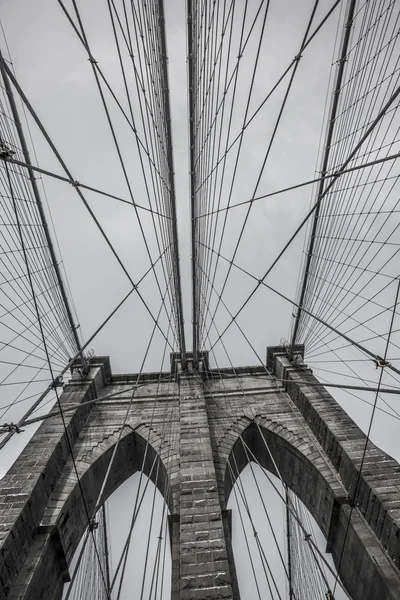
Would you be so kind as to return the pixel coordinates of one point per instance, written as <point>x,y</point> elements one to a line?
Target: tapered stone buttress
<point>203,548</point>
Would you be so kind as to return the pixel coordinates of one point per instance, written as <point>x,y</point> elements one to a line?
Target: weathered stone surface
<point>190,427</point>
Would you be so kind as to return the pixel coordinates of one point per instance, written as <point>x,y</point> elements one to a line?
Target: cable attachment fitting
<point>329,595</point>
<point>92,60</point>
<point>58,382</point>
<point>381,362</point>
<point>297,57</point>
<point>5,152</point>
<point>307,537</point>
<point>75,184</point>
<point>11,428</point>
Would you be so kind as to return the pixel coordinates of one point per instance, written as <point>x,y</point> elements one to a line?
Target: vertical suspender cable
<point>329,135</point>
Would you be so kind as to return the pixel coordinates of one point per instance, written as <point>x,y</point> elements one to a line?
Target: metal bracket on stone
<point>58,382</point>
<point>93,524</point>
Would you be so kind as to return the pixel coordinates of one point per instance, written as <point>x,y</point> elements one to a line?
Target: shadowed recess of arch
<point>303,477</point>
<point>129,458</point>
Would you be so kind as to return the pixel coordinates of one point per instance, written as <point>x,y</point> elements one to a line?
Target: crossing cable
<point>149,532</point>
<point>81,196</point>
<point>245,534</point>
<point>284,397</point>
<point>47,283</point>
<point>172,195</point>
<point>138,503</point>
<point>367,439</point>
<point>214,133</point>
<point>192,55</point>
<point>131,124</point>
<point>194,204</point>
<point>368,281</point>
<point>296,517</point>
<point>260,548</point>
<point>242,46</point>
<point>357,265</point>
<point>74,407</point>
<point>316,204</point>
<point>268,574</point>
<point>300,185</point>
<point>205,193</point>
<point>78,184</point>
<point>345,387</point>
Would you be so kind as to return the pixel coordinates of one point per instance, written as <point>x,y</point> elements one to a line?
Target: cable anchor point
<point>381,362</point>
<point>11,428</point>
<point>57,383</point>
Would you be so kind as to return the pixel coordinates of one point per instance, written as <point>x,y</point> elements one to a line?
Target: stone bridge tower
<point>193,422</point>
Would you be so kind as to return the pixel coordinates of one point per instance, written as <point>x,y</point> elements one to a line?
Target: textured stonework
<point>195,423</point>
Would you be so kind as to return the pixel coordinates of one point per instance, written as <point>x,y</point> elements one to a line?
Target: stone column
<point>204,564</point>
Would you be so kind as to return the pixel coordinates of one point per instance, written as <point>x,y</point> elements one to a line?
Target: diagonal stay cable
<point>303,184</point>
<point>78,184</point>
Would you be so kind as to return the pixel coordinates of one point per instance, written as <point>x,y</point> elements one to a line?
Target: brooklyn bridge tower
<point>238,468</point>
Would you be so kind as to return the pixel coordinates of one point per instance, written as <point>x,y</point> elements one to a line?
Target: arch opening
<point>272,466</point>
<point>261,560</point>
<point>134,454</point>
<point>131,561</point>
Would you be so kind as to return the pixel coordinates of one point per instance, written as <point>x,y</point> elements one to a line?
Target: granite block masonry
<point>193,422</point>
